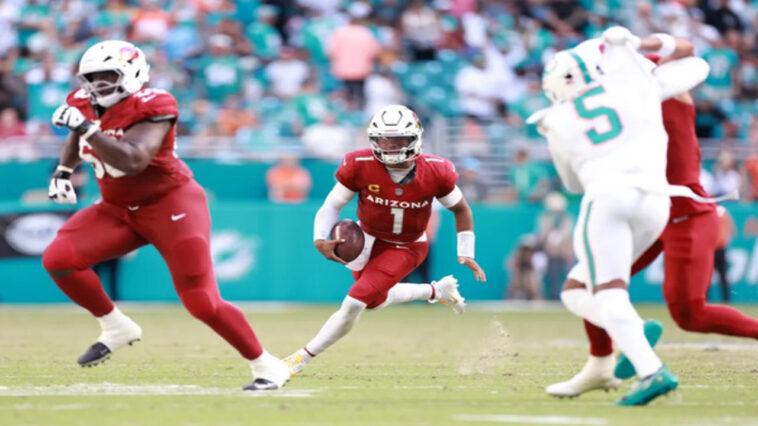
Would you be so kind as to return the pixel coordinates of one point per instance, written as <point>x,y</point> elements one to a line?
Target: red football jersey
<point>393,212</point>
<point>683,157</point>
<point>164,173</point>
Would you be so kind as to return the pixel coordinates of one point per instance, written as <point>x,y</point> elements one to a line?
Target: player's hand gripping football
<point>61,190</point>
<point>326,248</point>
<point>475,268</point>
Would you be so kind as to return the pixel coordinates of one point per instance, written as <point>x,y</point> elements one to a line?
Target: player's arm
<point>680,76</point>
<point>61,190</point>
<point>132,153</point>
<point>464,225</point>
<point>326,217</point>
<point>569,179</point>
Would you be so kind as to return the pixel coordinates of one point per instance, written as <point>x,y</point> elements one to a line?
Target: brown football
<point>352,233</point>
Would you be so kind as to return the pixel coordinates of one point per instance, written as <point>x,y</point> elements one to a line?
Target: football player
<point>608,142</point>
<point>396,185</point>
<point>687,244</point>
<point>127,132</point>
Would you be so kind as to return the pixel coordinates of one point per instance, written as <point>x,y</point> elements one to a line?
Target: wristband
<point>466,242</point>
<point>63,172</point>
<point>668,44</point>
<point>87,129</point>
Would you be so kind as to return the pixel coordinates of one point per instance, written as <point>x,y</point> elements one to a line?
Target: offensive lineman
<point>607,140</point>
<point>687,244</point>
<point>127,132</point>
<point>396,185</point>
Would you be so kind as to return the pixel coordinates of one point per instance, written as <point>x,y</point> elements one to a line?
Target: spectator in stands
<point>232,117</point>
<point>751,162</point>
<point>554,226</point>
<point>288,182</point>
<point>48,84</point>
<point>9,13</point>
<point>381,89</point>
<point>353,50</point>
<point>710,119</point>
<point>262,33</point>
<point>287,74</point>
<point>421,30</point>
<point>10,124</point>
<point>723,60</point>
<point>747,76</point>
<point>727,177</point>
<point>240,43</point>
<point>719,15</point>
<point>532,101</point>
<point>529,178</point>
<point>470,181</point>
<point>12,143</point>
<point>327,139</point>
<point>721,261</point>
<point>150,23</point>
<point>220,71</point>
<point>523,278</point>
<point>476,92</point>
<point>311,104</point>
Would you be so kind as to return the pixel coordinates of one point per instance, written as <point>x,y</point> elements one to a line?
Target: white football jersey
<point>612,133</point>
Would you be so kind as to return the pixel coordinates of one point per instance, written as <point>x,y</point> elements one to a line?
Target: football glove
<point>620,35</point>
<point>71,117</point>
<point>61,189</point>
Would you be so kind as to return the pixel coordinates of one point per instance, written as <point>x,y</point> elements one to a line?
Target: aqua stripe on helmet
<point>582,67</point>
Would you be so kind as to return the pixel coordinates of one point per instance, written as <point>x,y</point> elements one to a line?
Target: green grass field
<point>408,365</point>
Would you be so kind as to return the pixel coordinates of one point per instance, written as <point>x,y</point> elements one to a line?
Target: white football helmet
<point>395,121</point>
<point>571,70</point>
<point>121,57</point>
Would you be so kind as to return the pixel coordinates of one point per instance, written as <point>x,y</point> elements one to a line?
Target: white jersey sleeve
<point>568,177</point>
<point>329,213</point>
<point>680,76</point>
<point>622,62</point>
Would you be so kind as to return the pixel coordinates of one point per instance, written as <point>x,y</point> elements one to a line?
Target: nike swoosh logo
<point>402,247</point>
<point>679,219</point>
<point>177,216</point>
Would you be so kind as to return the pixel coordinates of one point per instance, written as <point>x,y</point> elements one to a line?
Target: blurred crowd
<point>302,76</point>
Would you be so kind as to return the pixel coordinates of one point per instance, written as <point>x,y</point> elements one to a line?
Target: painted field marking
<point>100,389</point>
<point>541,420</point>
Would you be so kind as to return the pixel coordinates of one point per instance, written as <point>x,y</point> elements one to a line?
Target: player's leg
<point>388,264</point>
<point>93,234</point>
<point>184,244</point>
<point>689,268</point>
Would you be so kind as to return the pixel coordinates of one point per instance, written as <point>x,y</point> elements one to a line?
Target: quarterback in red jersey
<point>687,243</point>
<point>396,186</point>
<point>127,132</point>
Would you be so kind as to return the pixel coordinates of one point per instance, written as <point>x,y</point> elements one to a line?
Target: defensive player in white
<point>607,140</point>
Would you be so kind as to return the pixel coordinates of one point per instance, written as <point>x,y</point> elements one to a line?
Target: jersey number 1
<point>397,220</point>
<point>602,111</point>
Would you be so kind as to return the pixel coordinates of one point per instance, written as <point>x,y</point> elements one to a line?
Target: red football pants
<point>178,225</point>
<point>688,249</point>
<point>389,263</point>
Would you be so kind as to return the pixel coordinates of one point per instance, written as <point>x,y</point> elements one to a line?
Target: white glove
<point>61,190</point>
<point>620,35</point>
<point>68,116</point>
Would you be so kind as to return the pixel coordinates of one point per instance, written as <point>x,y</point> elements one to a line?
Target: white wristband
<point>62,168</point>
<point>466,242</point>
<point>668,44</point>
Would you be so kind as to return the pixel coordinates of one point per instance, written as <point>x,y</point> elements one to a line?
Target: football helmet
<point>571,70</point>
<point>394,121</point>
<point>121,57</point>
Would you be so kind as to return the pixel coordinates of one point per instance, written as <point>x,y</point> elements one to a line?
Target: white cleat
<point>118,330</point>
<point>596,374</point>
<point>297,362</point>
<point>269,373</point>
<point>446,292</point>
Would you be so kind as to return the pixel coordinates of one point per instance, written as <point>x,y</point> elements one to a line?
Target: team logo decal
<point>373,188</point>
<point>127,54</point>
<point>398,191</point>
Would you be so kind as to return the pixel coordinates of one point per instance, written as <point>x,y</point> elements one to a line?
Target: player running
<point>396,185</point>
<point>607,139</point>
<point>127,132</point>
<point>687,244</point>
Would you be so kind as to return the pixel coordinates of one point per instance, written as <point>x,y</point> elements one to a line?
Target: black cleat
<point>94,355</point>
<point>261,384</point>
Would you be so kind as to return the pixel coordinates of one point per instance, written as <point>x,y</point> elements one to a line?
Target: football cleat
<point>269,373</point>
<point>659,383</point>
<point>112,338</point>
<point>596,374</point>
<point>296,362</point>
<point>446,292</point>
<point>624,368</point>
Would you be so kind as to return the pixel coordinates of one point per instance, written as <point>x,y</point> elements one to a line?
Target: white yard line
<point>539,420</point>
<point>101,389</point>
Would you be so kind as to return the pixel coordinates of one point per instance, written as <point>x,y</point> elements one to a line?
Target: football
<point>352,233</point>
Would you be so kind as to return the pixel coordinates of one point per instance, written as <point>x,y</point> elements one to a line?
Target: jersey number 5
<point>602,111</point>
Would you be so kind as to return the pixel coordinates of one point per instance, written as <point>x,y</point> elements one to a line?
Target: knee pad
<point>59,256</point>
<point>190,257</point>
<point>201,303</point>
<point>686,314</point>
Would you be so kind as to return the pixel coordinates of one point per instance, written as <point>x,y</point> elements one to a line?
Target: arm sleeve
<point>680,76</point>
<point>568,177</point>
<point>451,199</point>
<point>329,213</point>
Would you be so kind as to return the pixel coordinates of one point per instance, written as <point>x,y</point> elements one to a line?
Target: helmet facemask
<point>105,93</point>
<point>398,153</point>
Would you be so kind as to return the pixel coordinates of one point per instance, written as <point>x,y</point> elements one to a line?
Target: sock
<point>582,303</point>
<point>403,293</point>
<point>700,317</point>
<point>231,324</point>
<point>625,327</point>
<point>601,344</point>
<point>337,326</point>
<point>112,319</point>
<point>85,289</point>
